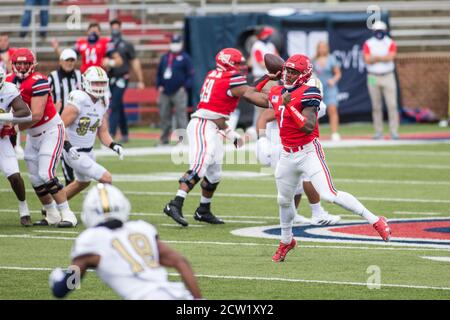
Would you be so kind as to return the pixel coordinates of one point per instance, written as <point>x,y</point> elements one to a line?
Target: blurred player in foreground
<point>85,117</point>
<point>12,110</point>
<point>127,255</point>
<point>219,96</point>
<point>295,105</point>
<point>268,152</point>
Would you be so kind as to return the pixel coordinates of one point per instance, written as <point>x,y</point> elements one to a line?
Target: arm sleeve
<point>311,98</point>
<point>238,80</point>
<point>40,88</point>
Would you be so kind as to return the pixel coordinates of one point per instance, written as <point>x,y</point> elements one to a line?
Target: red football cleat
<point>282,250</point>
<point>383,228</point>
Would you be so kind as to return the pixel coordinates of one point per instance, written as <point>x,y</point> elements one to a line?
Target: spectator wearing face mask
<point>174,78</point>
<point>119,76</point>
<point>379,54</point>
<point>92,49</point>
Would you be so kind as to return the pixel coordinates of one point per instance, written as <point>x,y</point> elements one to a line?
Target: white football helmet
<point>95,81</point>
<point>2,77</point>
<point>104,202</point>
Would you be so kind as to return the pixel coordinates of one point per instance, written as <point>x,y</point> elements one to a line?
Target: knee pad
<point>283,201</point>
<point>53,186</point>
<point>208,186</point>
<point>188,177</point>
<point>41,190</point>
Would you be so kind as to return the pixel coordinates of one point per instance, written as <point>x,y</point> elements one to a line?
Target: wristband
<point>262,82</point>
<point>67,145</point>
<point>113,144</point>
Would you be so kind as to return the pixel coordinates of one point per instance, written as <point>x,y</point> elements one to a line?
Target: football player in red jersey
<point>296,105</point>
<point>45,138</point>
<point>219,96</point>
<point>93,50</point>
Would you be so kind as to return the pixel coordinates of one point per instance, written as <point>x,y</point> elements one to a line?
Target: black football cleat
<point>208,217</point>
<point>174,211</point>
<point>41,223</point>
<point>26,221</point>
<point>65,224</point>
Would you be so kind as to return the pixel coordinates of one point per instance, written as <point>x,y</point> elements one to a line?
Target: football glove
<point>234,136</point>
<point>117,148</point>
<point>71,151</point>
<point>7,131</point>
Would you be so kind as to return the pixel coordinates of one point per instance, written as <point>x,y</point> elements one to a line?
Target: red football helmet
<point>230,59</point>
<point>23,62</point>
<point>296,71</point>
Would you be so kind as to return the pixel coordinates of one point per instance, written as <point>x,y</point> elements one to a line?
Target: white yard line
<point>256,278</point>
<point>388,165</point>
<point>269,196</point>
<point>418,213</point>
<point>245,244</point>
<point>180,226</point>
<point>440,259</point>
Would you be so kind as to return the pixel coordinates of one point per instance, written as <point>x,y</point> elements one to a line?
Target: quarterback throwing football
<point>295,105</point>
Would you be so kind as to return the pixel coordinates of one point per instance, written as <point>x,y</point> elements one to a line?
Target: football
<point>273,63</point>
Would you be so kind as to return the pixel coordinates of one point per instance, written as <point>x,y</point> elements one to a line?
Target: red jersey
<point>35,85</point>
<point>302,97</point>
<point>215,94</point>
<point>91,54</point>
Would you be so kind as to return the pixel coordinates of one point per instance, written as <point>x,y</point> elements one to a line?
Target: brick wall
<point>424,81</point>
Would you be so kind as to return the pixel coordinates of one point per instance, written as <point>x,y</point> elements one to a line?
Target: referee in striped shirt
<point>62,81</point>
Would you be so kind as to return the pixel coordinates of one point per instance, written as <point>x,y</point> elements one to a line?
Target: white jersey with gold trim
<point>8,93</point>
<point>82,132</point>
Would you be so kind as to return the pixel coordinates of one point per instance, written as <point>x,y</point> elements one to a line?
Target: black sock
<point>205,206</point>
<point>178,201</point>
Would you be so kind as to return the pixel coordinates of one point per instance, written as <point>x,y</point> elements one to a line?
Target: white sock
<point>23,209</point>
<point>205,200</point>
<point>287,215</point>
<point>350,203</point>
<point>63,206</point>
<point>316,209</point>
<point>50,206</point>
<point>181,193</point>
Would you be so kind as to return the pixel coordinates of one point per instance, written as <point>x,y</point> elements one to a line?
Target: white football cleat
<point>299,219</point>
<point>325,219</point>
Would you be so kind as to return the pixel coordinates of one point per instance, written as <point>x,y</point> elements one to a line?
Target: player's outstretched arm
<point>257,98</point>
<point>168,257</point>
<point>61,283</point>
<point>21,113</point>
<point>106,139</point>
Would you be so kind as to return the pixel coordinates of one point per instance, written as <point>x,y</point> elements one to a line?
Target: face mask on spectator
<point>176,47</point>
<point>92,37</point>
<point>116,35</point>
<point>379,34</point>
<point>266,40</point>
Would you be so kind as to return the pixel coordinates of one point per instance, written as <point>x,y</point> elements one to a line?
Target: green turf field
<point>235,267</point>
